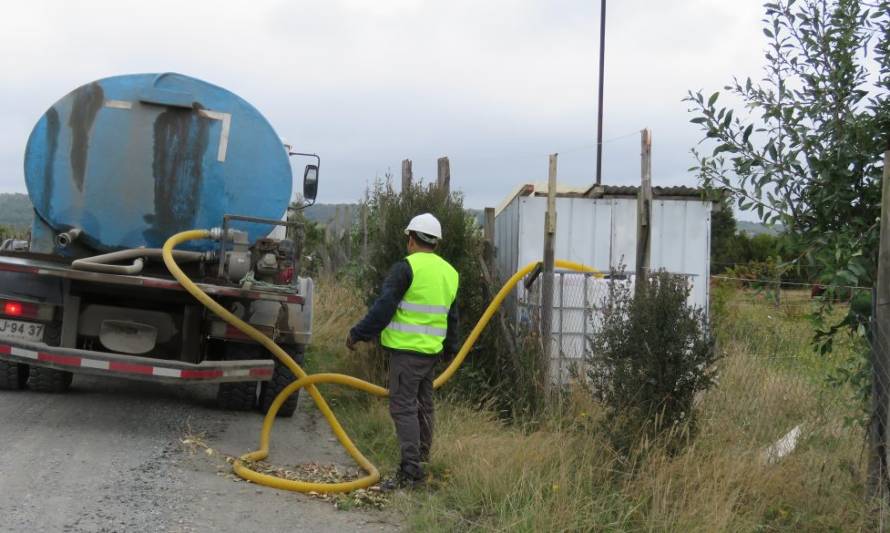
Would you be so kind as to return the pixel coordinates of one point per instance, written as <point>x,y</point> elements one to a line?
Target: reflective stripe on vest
<point>411,328</point>
<point>421,320</point>
<point>434,309</point>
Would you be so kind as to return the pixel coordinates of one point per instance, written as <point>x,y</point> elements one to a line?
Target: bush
<point>652,353</point>
<point>314,256</point>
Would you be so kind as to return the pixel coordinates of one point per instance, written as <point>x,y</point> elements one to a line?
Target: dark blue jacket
<point>384,308</point>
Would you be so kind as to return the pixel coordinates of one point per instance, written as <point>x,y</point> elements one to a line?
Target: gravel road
<point>108,456</point>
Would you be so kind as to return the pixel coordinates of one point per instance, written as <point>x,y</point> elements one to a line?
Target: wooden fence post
<point>880,355</point>
<point>644,206</point>
<point>444,175</point>
<point>488,233</point>
<point>407,175</point>
<point>547,277</point>
<point>365,230</point>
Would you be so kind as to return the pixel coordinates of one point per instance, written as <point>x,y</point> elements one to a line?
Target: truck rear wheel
<point>241,395</point>
<point>13,376</point>
<point>281,378</point>
<point>49,379</point>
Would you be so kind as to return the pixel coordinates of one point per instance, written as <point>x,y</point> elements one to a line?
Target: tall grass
<point>560,475</point>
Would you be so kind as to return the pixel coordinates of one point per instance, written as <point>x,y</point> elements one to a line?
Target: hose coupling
<point>65,238</point>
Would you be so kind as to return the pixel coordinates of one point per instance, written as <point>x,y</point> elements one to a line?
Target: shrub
<point>651,354</point>
<point>314,256</point>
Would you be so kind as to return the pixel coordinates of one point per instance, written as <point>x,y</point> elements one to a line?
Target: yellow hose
<point>308,382</point>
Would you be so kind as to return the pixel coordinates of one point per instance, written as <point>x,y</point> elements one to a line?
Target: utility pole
<point>644,207</point>
<point>599,114</point>
<point>880,353</point>
<point>547,279</point>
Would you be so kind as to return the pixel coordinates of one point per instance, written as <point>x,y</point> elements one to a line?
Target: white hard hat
<point>427,225</point>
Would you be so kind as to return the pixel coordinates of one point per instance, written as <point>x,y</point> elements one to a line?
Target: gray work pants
<point>411,407</point>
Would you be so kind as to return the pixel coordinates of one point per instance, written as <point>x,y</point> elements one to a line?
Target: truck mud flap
<point>134,367</point>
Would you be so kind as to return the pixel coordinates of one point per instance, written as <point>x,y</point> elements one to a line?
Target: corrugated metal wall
<point>681,243</point>
<point>601,233</point>
<point>506,235</point>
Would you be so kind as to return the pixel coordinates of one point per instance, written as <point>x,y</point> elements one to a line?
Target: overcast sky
<point>494,84</point>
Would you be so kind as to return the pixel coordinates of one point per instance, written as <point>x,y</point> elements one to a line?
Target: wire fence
<point>577,298</point>
<point>777,398</point>
<point>878,423</point>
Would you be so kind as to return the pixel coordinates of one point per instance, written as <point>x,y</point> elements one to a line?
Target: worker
<point>415,316</point>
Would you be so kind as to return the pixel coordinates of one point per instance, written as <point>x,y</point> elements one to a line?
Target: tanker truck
<point>115,168</point>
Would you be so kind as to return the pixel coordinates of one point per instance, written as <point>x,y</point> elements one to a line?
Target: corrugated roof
<point>630,190</point>
<point>601,191</point>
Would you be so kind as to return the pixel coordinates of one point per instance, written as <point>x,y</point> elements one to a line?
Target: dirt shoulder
<point>109,456</point>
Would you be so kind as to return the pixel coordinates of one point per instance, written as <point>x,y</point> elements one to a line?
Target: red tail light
<point>24,310</point>
<point>12,309</point>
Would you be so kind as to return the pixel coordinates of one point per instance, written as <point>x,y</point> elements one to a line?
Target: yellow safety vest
<point>421,321</point>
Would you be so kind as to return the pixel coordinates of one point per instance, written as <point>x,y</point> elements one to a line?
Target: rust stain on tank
<point>180,141</point>
<point>52,144</point>
<point>87,103</point>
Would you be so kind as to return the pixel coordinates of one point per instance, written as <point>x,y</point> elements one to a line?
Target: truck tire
<point>49,379</point>
<point>281,378</point>
<point>241,395</point>
<point>13,376</point>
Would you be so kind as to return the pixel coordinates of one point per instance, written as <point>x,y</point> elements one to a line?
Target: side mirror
<point>310,183</point>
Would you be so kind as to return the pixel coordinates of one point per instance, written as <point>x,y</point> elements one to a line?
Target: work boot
<point>403,480</point>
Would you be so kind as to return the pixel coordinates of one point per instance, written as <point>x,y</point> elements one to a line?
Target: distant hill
<point>756,228</point>
<point>325,213</point>
<point>15,210</point>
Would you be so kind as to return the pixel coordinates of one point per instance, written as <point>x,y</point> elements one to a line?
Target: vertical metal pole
<point>562,310</point>
<point>599,113</point>
<point>878,485</point>
<point>584,317</point>
<point>547,279</point>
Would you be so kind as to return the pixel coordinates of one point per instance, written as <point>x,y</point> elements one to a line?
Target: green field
<point>560,475</point>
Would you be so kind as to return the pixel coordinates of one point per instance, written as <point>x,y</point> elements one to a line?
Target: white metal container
<point>602,233</point>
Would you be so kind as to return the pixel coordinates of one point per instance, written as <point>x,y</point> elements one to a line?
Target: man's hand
<point>350,342</point>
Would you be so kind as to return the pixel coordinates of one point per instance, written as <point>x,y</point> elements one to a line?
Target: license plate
<point>24,331</point>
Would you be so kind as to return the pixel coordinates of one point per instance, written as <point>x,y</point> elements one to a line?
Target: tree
<point>723,236</point>
<point>808,152</point>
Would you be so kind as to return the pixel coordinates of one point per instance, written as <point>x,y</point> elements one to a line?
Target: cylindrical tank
<point>131,160</point>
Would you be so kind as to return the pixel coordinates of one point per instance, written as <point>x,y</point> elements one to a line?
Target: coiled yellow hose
<point>308,382</point>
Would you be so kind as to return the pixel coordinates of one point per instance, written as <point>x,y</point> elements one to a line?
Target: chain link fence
<point>777,400</point>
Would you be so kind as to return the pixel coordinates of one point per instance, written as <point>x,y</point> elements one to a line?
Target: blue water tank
<point>131,160</point>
